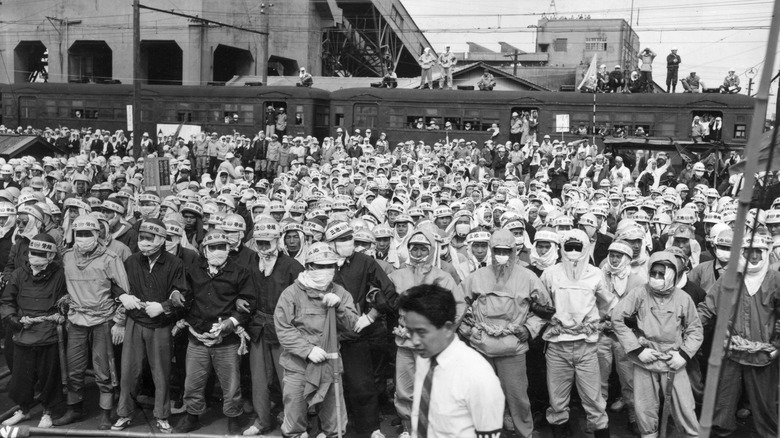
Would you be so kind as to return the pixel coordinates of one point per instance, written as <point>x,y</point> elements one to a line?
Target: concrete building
<point>573,42</point>
<point>91,41</point>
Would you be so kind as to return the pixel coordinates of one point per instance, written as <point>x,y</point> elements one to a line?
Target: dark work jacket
<point>244,257</point>
<point>210,299</point>
<point>189,257</point>
<point>286,270</point>
<point>5,248</point>
<point>166,275</point>
<point>28,295</point>
<point>601,248</point>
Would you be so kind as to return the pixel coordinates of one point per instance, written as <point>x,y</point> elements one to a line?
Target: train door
<point>275,118</point>
<point>27,110</point>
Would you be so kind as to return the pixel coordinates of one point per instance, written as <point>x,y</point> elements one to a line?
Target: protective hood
<point>670,262</point>
<point>503,238</point>
<point>574,263</point>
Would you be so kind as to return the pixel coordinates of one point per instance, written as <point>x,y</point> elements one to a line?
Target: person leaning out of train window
<point>487,82</point>
<point>432,126</point>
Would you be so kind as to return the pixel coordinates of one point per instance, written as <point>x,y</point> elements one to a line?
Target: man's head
<point>429,313</point>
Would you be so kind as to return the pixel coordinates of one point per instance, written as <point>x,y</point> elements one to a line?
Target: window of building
<point>740,131</point>
<point>598,44</point>
<point>365,115</point>
<point>559,45</point>
<point>544,47</point>
<point>397,18</point>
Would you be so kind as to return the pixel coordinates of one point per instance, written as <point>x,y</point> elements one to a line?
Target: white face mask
<point>172,246</point>
<point>345,249</point>
<point>698,174</point>
<point>148,248</point>
<point>519,242</point>
<point>216,258</point>
<point>86,244</point>
<point>656,283</point>
<point>149,211</point>
<point>573,255</point>
<point>234,238</point>
<point>270,251</point>
<point>502,259</point>
<point>321,278</point>
<point>38,264</point>
<point>462,229</point>
<point>723,255</point>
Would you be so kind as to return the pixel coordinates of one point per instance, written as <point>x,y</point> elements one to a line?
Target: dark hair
<point>431,301</point>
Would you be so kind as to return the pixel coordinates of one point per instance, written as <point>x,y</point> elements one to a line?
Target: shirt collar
<point>449,354</point>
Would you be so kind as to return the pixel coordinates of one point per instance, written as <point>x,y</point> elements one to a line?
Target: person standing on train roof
<point>673,61</point>
<point>647,56</point>
<point>427,61</point>
<point>447,61</point>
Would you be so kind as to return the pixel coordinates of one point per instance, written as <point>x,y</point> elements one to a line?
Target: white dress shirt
<point>466,397</point>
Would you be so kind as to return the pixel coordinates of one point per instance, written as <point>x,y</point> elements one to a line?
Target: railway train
<point>400,113</point>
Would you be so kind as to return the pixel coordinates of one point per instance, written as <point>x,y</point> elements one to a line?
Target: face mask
<point>216,258</point>
<point>572,255</point>
<point>519,242</point>
<point>148,248</point>
<point>722,255</point>
<point>149,212</point>
<point>345,249</point>
<point>234,239</point>
<point>656,283</point>
<point>417,260</point>
<point>462,229</point>
<point>502,259</point>
<point>86,244</point>
<point>173,245</point>
<point>270,251</point>
<point>38,263</point>
<point>698,174</point>
<point>321,278</point>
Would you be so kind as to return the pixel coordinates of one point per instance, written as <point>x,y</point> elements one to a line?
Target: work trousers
<point>647,81</point>
<point>426,77</point>
<point>446,78</point>
<point>359,387</point>
<point>34,364</point>
<point>200,361</point>
<point>203,165</point>
<point>404,386</point>
<point>567,363</point>
<point>296,408</point>
<point>760,383</point>
<point>671,78</point>
<point>511,371</point>
<point>144,344</point>
<point>610,349</point>
<point>649,387</point>
<point>82,340</point>
<point>264,363</point>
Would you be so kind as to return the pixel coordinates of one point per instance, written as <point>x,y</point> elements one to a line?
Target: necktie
<point>425,402</point>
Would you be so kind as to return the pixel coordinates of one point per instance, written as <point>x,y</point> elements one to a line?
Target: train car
<point>424,114</point>
<point>216,109</point>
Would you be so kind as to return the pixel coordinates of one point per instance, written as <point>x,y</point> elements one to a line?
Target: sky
<point>711,36</point>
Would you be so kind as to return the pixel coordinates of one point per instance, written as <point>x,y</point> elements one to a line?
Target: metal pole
<point>266,27</point>
<point>731,286</point>
<point>136,79</point>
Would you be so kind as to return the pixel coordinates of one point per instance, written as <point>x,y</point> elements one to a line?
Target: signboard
<point>561,123</point>
<point>157,175</point>
<point>182,130</point>
<point>129,109</point>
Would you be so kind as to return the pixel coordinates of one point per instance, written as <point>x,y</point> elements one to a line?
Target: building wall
<point>622,43</point>
<point>292,35</point>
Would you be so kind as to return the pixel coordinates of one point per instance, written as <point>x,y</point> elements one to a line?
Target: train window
<point>472,125</point>
<point>321,115</point>
<point>740,131</point>
<point>28,107</point>
<point>230,117</point>
<point>415,122</point>
<point>433,123</point>
<point>397,121</point>
<point>338,120</point>
<point>642,130</point>
<point>120,113</point>
<point>454,123</point>
<point>184,116</point>
<point>365,115</point>
<point>665,129</point>
<point>78,113</point>
<point>91,113</point>
<point>50,108</point>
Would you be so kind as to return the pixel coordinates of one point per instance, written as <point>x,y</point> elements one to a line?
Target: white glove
<point>676,362</point>
<point>153,309</point>
<point>118,334</point>
<point>317,355</point>
<point>363,322</point>
<point>131,302</point>
<point>330,300</point>
<point>648,355</point>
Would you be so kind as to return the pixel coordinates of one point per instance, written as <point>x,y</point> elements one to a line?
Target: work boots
<point>105,423</point>
<point>235,425</point>
<point>187,424</point>
<point>72,415</point>
<point>560,430</point>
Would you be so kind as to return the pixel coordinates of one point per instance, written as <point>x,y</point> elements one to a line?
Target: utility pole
<point>265,21</point>
<point>514,60</point>
<point>136,78</point>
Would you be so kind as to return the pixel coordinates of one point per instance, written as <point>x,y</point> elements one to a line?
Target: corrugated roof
<point>12,145</point>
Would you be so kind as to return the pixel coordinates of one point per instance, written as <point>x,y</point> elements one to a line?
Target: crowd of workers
<point>270,273</point>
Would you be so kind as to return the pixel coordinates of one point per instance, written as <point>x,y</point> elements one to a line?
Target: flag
<point>590,81</point>
<point>320,376</point>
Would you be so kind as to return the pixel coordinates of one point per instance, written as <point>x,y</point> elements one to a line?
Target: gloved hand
<point>154,309</point>
<point>242,305</point>
<point>523,334</point>
<point>363,322</point>
<point>177,299</point>
<point>224,327</point>
<point>330,299</point>
<point>648,355</point>
<point>130,302</point>
<point>117,334</point>
<point>13,322</point>
<point>317,355</point>
<point>677,361</point>
<point>25,320</point>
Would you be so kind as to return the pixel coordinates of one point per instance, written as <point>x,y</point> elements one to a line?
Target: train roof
<point>531,98</point>
<point>167,90</point>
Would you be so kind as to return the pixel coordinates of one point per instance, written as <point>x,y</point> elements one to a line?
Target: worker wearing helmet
<point>96,278</point>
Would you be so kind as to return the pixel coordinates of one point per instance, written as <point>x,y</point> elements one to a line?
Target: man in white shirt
<point>456,392</point>
<point>620,175</point>
<point>447,61</point>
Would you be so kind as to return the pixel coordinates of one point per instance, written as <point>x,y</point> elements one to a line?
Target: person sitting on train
<point>635,83</point>
<point>306,79</point>
<point>390,80</point>
<point>692,83</point>
<point>616,82</point>
<point>731,83</point>
<point>603,79</point>
<point>487,81</point>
